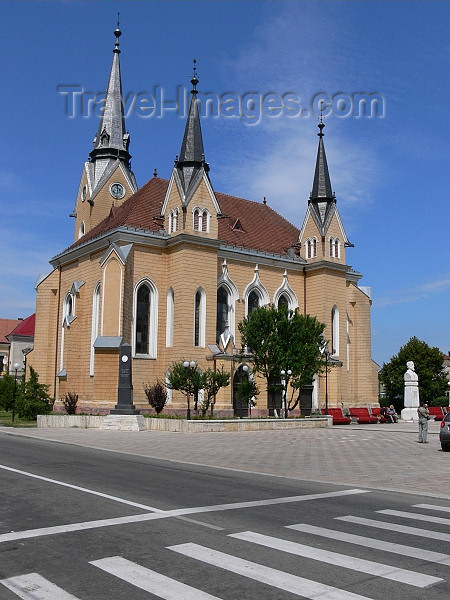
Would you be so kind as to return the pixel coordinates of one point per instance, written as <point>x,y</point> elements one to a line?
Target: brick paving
<point>382,456</point>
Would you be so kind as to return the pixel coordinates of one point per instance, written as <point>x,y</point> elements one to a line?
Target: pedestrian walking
<point>424,417</point>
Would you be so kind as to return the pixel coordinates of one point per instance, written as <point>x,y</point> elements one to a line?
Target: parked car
<point>444,433</point>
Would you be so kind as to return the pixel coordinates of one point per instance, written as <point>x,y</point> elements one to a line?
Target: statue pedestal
<point>120,422</point>
<point>409,414</point>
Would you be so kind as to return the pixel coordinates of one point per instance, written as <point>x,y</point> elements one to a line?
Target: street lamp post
<point>284,382</point>
<point>16,368</point>
<point>189,366</point>
<point>249,400</point>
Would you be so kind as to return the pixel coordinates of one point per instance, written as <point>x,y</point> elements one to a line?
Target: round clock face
<point>117,190</point>
<point>124,358</point>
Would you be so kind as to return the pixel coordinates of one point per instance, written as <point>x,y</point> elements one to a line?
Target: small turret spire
<point>192,155</point>
<point>321,189</point>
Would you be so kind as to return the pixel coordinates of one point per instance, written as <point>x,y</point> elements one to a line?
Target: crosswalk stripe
<point>150,581</point>
<point>417,516</point>
<point>34,587</point>
<point>419,553</point>
<point>437,535</point>
<point>299,586</point>
<point>432,507</point>
<point>339,560</point>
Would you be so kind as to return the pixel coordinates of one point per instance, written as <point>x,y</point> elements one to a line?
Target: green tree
<point>34,399</point>
<point>185,379</point>
<point>212,382</point>
<point>247,390</point>
<point>428,363</point>
<point>7,392</point>
<point>283,339</point>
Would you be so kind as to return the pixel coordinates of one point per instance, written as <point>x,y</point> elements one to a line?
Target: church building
<point>172,267</point>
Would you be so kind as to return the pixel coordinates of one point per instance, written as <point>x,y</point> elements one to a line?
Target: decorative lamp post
<point>189,366</point>
<point>284,382</point>
<point>16,368</point>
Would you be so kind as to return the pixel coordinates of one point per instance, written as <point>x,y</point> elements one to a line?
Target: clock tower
<point>107,179</point>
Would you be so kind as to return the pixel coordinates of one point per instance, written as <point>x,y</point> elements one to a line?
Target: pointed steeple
<point>192,155</point>
<point>112,140</point>
<point>321,189</point>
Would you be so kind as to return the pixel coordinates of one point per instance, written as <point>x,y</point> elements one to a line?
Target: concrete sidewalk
<point>382,456</point>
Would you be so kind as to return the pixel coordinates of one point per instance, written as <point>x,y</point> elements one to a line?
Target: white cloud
<point>418,292</point>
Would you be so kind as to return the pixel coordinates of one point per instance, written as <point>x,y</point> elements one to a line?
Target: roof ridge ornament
<point>321,123</point>
<point>117,33</point>
<point>194,79</point>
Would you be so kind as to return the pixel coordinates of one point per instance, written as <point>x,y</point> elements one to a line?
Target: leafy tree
<point>283,339</point>
<point>34,399</point>
<point>212,382</point>
<point>156,396</point>
<point>428,363</point>
<point>7,392</point>
<point>247,389</point>
<point>187,380</point>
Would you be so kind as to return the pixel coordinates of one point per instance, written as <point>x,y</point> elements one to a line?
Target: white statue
<point>411,393</point>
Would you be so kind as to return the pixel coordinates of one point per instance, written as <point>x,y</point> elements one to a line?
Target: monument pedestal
<point>125,404</point>
<point>409,414</point>
<point>121,422</point>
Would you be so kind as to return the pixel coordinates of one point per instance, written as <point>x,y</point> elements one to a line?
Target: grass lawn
<point>6,420</point>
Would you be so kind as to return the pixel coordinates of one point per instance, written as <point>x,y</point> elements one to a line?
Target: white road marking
<point>419,553</point>
<point>35,587</point>
<point>150,581</point>
<point>72,527</point>
<point>436,535</point>
<point>432,507</point>
<point>416,516</point>
<point>299,586</point>
<point>339,560</point>
<point>82,489</point>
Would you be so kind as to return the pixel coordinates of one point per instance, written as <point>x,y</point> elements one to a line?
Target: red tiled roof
<point>25,327</point>
<point>6,326</point>
<point>248,224</point>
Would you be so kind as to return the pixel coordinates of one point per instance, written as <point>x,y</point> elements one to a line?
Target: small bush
<point>33,399</point>
<point>442,401</point>
<point>70,403</point>
<point>156,396</point>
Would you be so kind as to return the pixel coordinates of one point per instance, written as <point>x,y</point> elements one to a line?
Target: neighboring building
<point>16,343</point>
<point>6,326</point>
<point>172,268</point>
<point>446,365</point>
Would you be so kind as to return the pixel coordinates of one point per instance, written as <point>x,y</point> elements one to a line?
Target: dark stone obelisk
<point>125,404</point>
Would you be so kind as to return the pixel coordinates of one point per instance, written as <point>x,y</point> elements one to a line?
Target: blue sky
<point>390,173</point>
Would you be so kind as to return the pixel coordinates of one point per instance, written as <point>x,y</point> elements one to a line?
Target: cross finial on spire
<point>117,33</point>
<point>321,124</point>
<point>194,79</point>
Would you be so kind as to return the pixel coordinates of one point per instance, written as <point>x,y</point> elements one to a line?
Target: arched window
<point>335,331</point>
<point>170,317</point>
<point>145,319</point>
<point>94,325</point>
<point>196,217</point>
<point>222,311</point>
<point>205,221</point>
<point>283,301</point>
<point>253,302</point>
<point>311,248</point>
<point>173,220</point>
<point>200,219</point>
<point>199,318</point>
<point>142,319</point>
<point>335,247</point>
<point>81,230</point>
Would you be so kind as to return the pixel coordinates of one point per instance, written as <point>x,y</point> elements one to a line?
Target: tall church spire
<point>321,189</point>
<point>192,156</point>
<point>112,140</point>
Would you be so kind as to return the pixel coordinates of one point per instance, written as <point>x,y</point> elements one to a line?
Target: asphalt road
<point>100,525</point>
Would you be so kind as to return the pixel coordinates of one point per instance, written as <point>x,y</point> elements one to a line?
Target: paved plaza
<point>382,456</point>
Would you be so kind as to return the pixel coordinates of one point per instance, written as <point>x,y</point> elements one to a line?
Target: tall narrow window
<point>197,316</point>
<point>205,221</point>
<point>142,319</point>
<point>170,318</point>
<point>222,312</point>
<point>253,302</point>
<point>196,219</point>
<point>335,331</point>
<point>283,301</point>
<point>94,325</point>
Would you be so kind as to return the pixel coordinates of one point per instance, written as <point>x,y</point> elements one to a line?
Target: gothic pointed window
<point>222,311</point>
<point>253,302</point>
<point>142,319</point>
<point>205,221</point>
<point>311,248</point>
<point>335,247</point>
<point>196,219</point>
<point>199,318</point>
<point>335,331</point>
<point>283,301</point>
